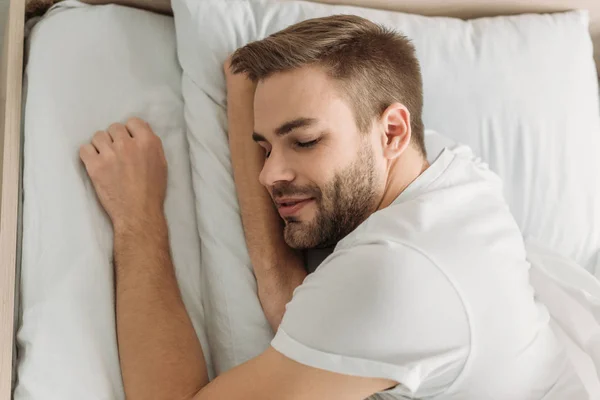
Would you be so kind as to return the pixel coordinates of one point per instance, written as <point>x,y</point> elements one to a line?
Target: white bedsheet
<point>88,67</point>
<point>120,63</point>
<point>572,296</point>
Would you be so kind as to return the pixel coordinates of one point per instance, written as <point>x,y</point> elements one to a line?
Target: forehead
<point>306,92</point>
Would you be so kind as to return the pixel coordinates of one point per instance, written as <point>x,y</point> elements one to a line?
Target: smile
<point>289,207</point>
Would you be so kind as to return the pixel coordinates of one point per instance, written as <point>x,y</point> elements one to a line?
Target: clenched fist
<point>128,169</point>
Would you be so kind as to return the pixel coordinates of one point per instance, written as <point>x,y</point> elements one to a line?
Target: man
<point>426,294</point>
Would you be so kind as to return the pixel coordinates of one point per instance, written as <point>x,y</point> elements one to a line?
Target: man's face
<point>320,170</point>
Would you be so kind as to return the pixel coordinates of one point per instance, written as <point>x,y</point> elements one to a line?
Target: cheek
<point>313,168</point>
<point>319,165</point>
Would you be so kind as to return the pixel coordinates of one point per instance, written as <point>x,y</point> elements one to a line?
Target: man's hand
<point>128,169</point>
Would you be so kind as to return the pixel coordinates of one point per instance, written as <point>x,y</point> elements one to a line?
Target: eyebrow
<point>286,128</point>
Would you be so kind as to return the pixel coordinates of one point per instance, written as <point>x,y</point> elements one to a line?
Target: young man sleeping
<point>426,294</point>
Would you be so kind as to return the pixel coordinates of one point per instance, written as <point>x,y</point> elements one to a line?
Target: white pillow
<point>520,90</point>
<point>87,67</point>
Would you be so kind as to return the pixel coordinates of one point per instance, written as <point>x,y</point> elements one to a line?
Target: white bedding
<point>121,63</point>
<point>88,67</point>
<point>572,296</point>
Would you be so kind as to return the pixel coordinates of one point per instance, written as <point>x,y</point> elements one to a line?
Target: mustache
<point>287,189</point>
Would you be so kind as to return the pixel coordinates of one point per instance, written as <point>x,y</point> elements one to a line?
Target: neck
<point>402,172</point>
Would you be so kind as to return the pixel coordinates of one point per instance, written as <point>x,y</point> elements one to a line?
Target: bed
<point>11,176</point>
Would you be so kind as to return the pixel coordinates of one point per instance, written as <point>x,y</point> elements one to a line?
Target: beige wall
<point>3,17</point>
<point>3,14</point>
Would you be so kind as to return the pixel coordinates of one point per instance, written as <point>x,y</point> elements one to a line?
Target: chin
<point>300,220</point>
<point>297,236</point>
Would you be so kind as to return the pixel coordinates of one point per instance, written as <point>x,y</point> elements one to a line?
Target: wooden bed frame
<point>11,132</point>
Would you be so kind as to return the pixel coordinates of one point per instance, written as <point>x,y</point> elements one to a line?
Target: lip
<point>286,211</point>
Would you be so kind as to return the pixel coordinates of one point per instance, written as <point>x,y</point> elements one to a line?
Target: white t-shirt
<point>433,292</point>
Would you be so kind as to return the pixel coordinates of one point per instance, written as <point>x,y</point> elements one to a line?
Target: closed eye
<point>305,145</point>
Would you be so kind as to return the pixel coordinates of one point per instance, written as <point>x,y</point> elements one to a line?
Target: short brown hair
<point>375,66</point>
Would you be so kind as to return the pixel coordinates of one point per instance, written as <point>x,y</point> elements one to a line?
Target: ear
<point>396,128</point>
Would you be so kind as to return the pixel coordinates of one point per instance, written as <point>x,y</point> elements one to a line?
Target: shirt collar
<point>427,177</point>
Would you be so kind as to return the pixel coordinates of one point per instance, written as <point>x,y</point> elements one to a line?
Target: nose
<point>275,170</point>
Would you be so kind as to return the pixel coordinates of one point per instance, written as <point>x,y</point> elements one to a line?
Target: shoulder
<point>374,259</point>
<point>377,309</point>
<point>378,288</point>
<point>373,262</point>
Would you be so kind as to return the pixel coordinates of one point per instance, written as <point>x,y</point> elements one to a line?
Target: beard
<point>342,204</point>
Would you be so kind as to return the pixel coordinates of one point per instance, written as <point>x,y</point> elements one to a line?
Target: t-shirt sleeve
<point>379,310</point>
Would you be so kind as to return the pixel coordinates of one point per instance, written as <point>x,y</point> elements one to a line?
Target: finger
<point>87,152</point>
<point>137,127</point>
<point>118,132</point>
<point>102,141</point>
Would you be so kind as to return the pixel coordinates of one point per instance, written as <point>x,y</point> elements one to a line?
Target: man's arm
<point>161,357</point>
<point>278,268</point>
<point>159,351</point>
<point>272,376</point>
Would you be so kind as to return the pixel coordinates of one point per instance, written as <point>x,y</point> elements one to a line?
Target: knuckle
<point>134,120</point>
<point>109,155</point>
<point>156,140</point>
<point>86,152</point>
<point>149,140</point>
<point>116,127</point>
<point>135,123</point>
<point>119,144</point>
<point>93,170</point>
<point>158,145</point>
<point>143,140</point>
<point>98,134</point>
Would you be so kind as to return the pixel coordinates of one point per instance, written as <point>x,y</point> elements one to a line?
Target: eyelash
<point>303,145</point>
<point>306,145</point>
